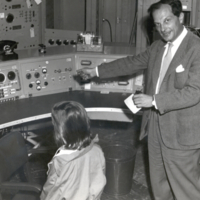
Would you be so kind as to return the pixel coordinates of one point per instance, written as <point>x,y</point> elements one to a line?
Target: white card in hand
<point>129,102</point>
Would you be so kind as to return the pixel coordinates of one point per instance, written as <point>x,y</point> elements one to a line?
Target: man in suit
<point>171,99</point>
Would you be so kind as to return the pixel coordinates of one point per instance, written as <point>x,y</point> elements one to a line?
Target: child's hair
<point>71,125</point>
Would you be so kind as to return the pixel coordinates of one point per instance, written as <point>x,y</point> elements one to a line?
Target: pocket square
<point>180,69</point>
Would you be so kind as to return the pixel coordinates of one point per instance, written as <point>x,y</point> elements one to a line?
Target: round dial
<point>37,74</point>
<point>2,78</point>
<point>51,41</point>
<point>11,75</point>
<point>28,75</point>
<point>10,18</point>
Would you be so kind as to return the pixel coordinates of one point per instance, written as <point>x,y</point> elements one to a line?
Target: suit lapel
<point>178,57</point>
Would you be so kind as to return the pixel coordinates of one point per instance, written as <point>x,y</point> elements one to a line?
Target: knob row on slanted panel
<point>10,75</point>
<point>60,42</point>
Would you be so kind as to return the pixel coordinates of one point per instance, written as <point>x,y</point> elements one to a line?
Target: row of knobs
<point>44,71</point>
<point>11,76</point>
<point>37,75</point>
<point>60,42</point>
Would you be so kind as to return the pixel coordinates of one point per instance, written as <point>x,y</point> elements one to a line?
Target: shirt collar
<point>180,38</point>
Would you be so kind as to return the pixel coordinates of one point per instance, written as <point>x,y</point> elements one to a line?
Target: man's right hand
<point>87,73</point>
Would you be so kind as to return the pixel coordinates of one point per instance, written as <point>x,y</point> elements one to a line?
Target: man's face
<point>168,25</point>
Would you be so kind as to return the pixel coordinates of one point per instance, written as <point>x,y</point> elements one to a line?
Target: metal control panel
<point>10,82</point>
<point>20,21</point>
<point>120,84</point>
<point>54,37</point>
<point>48,76</point>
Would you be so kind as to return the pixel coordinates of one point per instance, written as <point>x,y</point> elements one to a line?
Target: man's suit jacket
<point>178,100</point>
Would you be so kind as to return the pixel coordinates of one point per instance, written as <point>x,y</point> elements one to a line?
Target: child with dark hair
<point>76,171</point>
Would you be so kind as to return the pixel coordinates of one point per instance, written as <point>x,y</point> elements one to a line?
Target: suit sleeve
<point>124,66</point>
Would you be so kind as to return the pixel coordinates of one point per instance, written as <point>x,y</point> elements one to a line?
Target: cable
<point>103,20</point>
<point>133,28</point>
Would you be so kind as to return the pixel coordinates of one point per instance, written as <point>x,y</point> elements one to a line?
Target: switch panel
<point>20,21</point>
<point>10,84</point>
<point>47,76</point>
<point>120,84</point>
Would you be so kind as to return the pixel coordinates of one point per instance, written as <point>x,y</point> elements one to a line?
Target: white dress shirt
<point>175,46</point>
<point>176,43</point>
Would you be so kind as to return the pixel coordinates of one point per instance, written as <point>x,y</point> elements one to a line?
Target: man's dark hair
<point>176,6</point>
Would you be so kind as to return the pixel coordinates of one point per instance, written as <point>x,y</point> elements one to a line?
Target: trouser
<point>174,174</point>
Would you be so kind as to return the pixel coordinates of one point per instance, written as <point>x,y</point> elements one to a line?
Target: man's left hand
<point>143,100</point>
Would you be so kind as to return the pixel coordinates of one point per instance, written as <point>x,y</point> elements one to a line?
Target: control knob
<point>51,41</point>
<point>45,83</point>
<point>58,42</point>
<point>11,75</point>
<point>66,42</point>
<point>28,76</point>
<point>73,42</point>
<point>44,70</point>
<point>37,74</point>
<point>2,77</point>
<point>38,82</point>
<point>38,87</point>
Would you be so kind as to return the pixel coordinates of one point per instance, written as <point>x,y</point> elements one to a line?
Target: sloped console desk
<point>31,85</point>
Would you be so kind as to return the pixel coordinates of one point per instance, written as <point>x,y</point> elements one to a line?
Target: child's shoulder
<point>96,149</point>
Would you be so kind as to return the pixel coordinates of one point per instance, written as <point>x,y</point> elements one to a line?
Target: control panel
<point>10,84</point>
<point>119,84</point>
<point>20,21</point>
<point>49,75</point>
<point>55,37</point>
